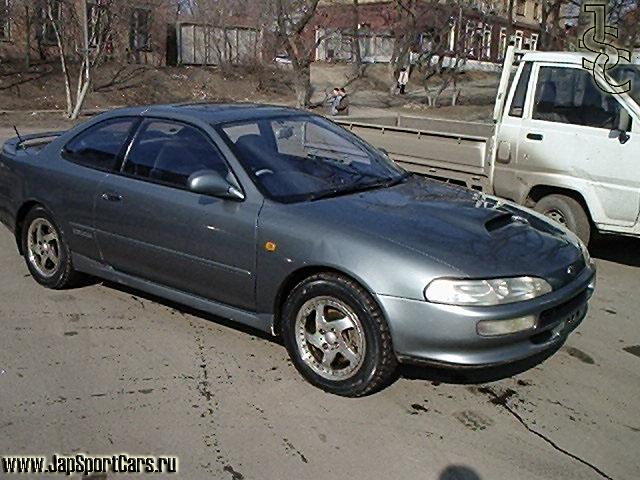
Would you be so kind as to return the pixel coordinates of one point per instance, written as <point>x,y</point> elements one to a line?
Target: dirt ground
<point>103,369</point>
<point>116,85</point>
<point>42,88</point>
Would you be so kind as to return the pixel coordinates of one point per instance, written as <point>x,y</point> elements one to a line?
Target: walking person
<point>403,79</point>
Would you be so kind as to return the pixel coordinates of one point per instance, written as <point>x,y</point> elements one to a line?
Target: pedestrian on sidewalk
<point>343,104</point>
<point>334,101</point>
<point>403,79</point>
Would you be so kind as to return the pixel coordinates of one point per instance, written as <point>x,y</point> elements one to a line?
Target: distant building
<point>139,35</point>
<point>233,34</point>
<point>482,27</point>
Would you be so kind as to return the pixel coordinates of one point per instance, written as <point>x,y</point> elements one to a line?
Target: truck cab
<point>565,146</point>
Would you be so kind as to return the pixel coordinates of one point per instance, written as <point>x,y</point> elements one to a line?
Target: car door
<point>95,152</point>
<point>570,134</point>
<point>152,227</point>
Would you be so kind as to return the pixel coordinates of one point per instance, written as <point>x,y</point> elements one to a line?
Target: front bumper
<point>424,332</point>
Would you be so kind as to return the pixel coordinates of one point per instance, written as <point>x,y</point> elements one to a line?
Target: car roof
<point>212,113</point>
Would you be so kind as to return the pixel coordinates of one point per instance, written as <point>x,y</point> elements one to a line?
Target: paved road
<point>103,370</point>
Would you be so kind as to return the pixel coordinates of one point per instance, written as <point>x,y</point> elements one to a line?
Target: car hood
<point>476,235</point>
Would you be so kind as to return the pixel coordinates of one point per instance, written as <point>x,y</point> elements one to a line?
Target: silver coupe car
<point>283,221</point>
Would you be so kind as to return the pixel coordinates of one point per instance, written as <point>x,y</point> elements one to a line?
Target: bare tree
<point>406,30</point>
<point>356,48</point>
<point>434,40</point>
<point>451,39</point>
<point>64,22</point>
<point>625,15</point>
<point>439,64</point>
<point>23,14</point>
<point>292,17</point>
<point>213,14</point>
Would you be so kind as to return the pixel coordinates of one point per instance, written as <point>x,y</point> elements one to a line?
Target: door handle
<point>111,197</point>
<point>535,136</point>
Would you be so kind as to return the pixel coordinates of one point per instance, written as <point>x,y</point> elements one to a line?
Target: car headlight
<point>485,292</point>
<point>585,253</point>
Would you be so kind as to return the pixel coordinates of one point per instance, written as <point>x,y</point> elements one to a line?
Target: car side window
<point>170,152</point>
<point>98,146</point>
<point>570,95</point>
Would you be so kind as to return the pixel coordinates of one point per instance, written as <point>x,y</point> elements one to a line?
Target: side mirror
<point>623,126</point>
<point>210,182</point>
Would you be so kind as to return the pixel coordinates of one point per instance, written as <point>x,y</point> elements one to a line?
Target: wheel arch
<point>24,209</point>
<point>538,192</point>
<point>297,276</point>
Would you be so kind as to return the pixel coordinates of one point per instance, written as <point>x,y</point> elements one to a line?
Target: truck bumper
<point>424,332</point>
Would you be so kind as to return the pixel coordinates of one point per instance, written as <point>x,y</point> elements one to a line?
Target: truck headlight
<point>485,292</point>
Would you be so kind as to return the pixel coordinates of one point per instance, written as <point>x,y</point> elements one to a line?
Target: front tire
<point>337,336</point>
<point>568,212</point>
<point>46,253</point>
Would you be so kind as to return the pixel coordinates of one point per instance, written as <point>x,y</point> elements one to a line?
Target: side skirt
<point>260,321</point>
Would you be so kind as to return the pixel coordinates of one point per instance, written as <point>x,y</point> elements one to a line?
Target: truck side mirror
<point>623,126</point>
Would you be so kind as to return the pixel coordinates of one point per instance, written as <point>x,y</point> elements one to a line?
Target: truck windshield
<point>625,72</point>
<point>306,157</point>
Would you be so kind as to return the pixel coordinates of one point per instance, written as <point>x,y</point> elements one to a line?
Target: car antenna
<point>18,134</point>
<point>20,140</point>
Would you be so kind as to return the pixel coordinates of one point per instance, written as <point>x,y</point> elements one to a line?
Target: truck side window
<point>520,95</point>
<point>570,95</point>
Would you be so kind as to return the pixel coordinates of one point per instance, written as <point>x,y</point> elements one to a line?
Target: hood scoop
<point>502,220</point>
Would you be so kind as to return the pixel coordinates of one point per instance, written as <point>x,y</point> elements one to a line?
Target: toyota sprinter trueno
<point>281,220</point>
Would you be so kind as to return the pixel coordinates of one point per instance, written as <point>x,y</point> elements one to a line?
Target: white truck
<point>559,144</point>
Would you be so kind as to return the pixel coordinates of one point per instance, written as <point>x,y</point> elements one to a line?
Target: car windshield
<point>307,157</point>
<point>624,72</point>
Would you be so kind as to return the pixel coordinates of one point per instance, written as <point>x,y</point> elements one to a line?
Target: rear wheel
<point>568,212</point>
<point>337,337</point>
<point>45,251</point>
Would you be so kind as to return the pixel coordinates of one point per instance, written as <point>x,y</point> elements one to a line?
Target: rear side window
<point>520,95</point>
<point>99,146</point>
<point>170,152</point>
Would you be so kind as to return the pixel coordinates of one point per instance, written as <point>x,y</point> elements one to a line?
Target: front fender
<point>379,265</point>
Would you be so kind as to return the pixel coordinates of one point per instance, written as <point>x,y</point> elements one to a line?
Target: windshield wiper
<point>358,187</point>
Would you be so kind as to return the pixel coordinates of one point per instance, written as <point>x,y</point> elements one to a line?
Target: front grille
<point>554,314</point>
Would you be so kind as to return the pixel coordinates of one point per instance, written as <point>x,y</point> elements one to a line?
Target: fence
<point>336,46</point>
<point>211,45</point>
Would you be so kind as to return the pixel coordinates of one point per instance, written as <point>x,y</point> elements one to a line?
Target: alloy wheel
<point>43,247</point>
<point>330,338</point>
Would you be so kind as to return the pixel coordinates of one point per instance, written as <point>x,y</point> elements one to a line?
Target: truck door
<point>505,173</point>
<point>568,139</point>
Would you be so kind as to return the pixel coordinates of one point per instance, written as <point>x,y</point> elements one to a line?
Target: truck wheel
<point>46,252</point>
<point>568,212</point>
<point>337,336</point>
